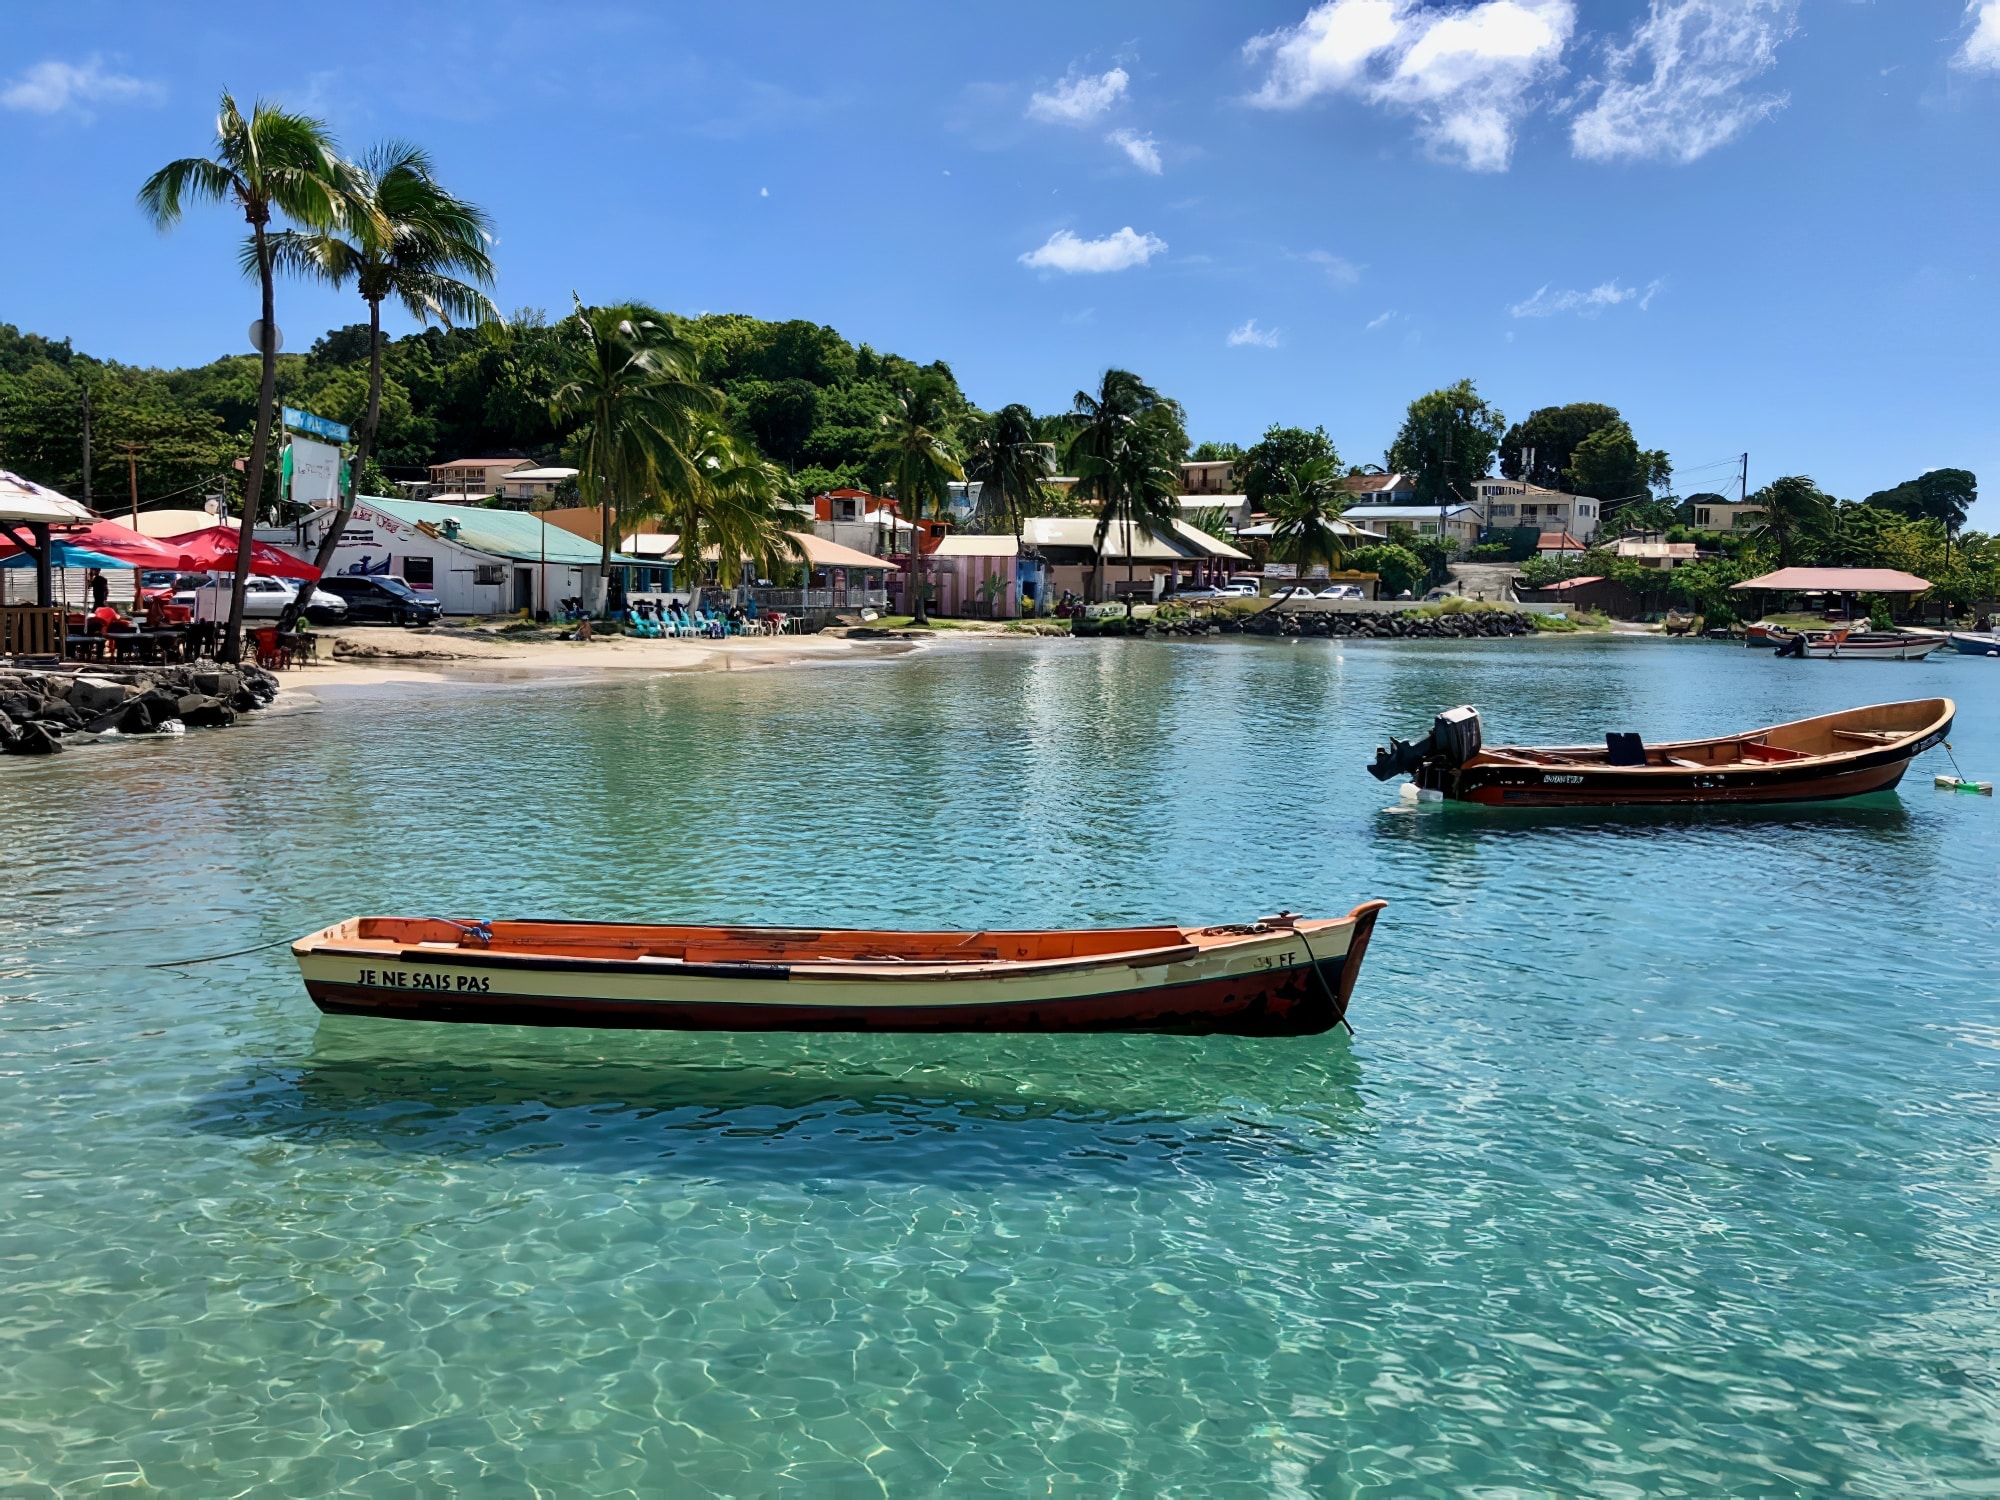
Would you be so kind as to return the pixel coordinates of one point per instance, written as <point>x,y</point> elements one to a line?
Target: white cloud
<point>1374,323</point>
<point>1115,252</point>
<point>1080,98</point>
<point>1143,149</point>
<point>1339,270</point>
<point>1466,74</point>
<point>1584,304</point>
<point>1982,48</point>
<point>49,88</point>
<point>1694,59</point>
<point>1250,333</point>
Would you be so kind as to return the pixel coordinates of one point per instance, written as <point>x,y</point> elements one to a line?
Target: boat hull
<point>1908,648</point>
<point>1517,787</point>
<point>1290,985</point>
<point>1971,643</point>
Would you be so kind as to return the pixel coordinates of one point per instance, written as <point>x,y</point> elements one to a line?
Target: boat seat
<point>1757,750</point>
<point>1866,736</point>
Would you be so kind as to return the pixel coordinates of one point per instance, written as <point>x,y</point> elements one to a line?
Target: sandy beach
<point>364,656</point>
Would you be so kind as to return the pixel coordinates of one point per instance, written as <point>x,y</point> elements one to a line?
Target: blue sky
<point>1750,224</point>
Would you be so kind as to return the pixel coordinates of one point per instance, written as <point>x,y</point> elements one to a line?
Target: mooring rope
<point>182,963</point>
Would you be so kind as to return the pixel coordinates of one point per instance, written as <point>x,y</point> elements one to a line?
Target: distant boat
<point>1975,642</point>
<point>1862,645</point>
<point>1836,755</point>
<point>1763,634</point>
<point>1279,976</point>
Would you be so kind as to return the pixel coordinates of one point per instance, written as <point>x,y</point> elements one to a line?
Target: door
<point>524,589</point>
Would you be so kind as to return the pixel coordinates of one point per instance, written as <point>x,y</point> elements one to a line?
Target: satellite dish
<point>257,338</point>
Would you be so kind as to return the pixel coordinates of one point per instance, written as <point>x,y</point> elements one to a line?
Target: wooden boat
<point>1975,642</point>
<point>1862,645</point>
<point>1836,755</point>
<point>1280,976</point>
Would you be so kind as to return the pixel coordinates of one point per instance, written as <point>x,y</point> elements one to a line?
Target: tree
<point>1552,432</point>
<point>1795,510</point>
<point>1011,465</point>
<point>632,391</point>
<point>1400,569</point>
<point>273,163</point>
<point>725,497</point>
<point>1447,441</point>
<point>408,239</point>
<point>1609,466</point>
<point>1211,453</point>
<point>1941,495</point>
<point>915,445</point>
<point>1126,453</point>
<point>1307,515</point>
<point>1263,468</point>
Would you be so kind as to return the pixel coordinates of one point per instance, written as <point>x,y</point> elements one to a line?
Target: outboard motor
<point>1454,739</point>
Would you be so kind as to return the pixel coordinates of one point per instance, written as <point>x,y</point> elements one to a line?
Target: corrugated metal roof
<point>978,546</point>
<point>502,533</point>
<point>665,546</point>
<point>1838,581</point>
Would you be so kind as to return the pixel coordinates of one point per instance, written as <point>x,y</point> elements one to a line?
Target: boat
<point>1284,975</point>
<point>1762,633</point>
<point>1862,645</point>
<point>1846,754</point>
<point>1975,642</point>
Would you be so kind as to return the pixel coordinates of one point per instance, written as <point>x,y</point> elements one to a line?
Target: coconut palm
<point>1305,515</point>
<point>727,498</point>
<point>1011,464</point>
<point>632,388</point>
<point>916,449</point>
<point>410,240</point>
<point>1795,510</point>
<point>1124,455</point>
<point>274,163</point>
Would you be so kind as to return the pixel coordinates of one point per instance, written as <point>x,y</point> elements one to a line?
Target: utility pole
<point>86,446</point>
<point>1743,482</point>
<point>132,470</point>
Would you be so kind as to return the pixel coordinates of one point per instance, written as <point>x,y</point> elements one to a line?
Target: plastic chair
<point>271,654</point>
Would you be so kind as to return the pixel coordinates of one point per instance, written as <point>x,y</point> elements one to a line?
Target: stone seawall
<point>38,707</point>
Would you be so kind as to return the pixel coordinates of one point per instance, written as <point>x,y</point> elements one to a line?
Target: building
<point>1235,508</point>
<point>1381,489</point>
<point>1560,544</point>
<point>1506,503</point>
<point>1654,554</point>
<point>867,523</point>
<point>838,578</point>
<point>1208,477</point>
<point>474,476</point>
<point>475,560</point>
<point>522,487</point>
<point>987,577</point>
<point>1460,522</point>
<point>1130,561</point>
<point>1713,513</point>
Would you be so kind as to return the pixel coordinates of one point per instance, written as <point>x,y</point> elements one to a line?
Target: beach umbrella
<point>214,551</point>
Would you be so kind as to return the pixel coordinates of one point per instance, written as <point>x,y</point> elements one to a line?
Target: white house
<point>1459,521</point>
<point>1507,503</point>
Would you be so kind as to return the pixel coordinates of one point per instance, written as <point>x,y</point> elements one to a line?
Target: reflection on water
<point>1661,1162</point>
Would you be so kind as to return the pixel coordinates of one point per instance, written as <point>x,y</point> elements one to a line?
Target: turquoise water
<point>1666,1160</point>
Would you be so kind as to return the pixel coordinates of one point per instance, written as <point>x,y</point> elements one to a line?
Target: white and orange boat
<point>1280,976</point>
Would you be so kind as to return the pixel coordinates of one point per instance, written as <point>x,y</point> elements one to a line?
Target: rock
<point>32,739</point>
<point>55,711</point>
<point>199,711</point>
<point>94,695</point>
<point>20,704</point>
<point>216,682</point>
<point>162,703</point>
<point>244,701</point>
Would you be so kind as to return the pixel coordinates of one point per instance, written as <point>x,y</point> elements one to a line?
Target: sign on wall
<point>315,472</point>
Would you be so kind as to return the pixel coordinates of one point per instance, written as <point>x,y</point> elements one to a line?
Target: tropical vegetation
<point>1126,451</point>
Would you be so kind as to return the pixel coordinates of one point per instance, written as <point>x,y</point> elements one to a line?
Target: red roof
<point>1838,581</point>
<point>1559,541</point>
<point>1575,583</point>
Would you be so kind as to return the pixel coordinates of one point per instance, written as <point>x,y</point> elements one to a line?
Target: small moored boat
<point>1975,642</point>
<point>1280,976</point>
<point>1862,645</point>
<point>1845,754</point>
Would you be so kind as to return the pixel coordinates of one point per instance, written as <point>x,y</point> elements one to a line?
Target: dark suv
<point>387,601</point>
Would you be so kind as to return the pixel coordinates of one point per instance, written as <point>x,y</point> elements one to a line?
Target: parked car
<point>1342,591</point>
<point>1295,593</point>
<point>1236,591</point>
<point>263,598</point>
<point>381,598</point>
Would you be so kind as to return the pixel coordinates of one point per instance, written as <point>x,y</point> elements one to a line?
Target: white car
<point>1342,591</point>
<point>263,599</point>
<point>1236,591</point>
<point>1296,593</point>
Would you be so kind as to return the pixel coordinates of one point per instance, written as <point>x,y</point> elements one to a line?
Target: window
<point>418,571</point>
<point>1701,515</point>
<point>1428,528</point>
<point>487,573</point>
<point>1503,510</point>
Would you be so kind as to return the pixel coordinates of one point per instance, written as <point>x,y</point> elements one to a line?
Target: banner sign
<point>315,472</point>
<point>305,421</point>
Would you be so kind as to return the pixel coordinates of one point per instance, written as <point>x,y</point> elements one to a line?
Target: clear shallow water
<point>1664,1162</point>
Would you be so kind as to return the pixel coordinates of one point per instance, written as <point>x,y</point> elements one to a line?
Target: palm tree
<point>730,499</point>
<point>1010,463</point>
<point>631,390</point>
<point>1795,509</point>
<point>917,452</point>
<point>1306,515</point>
<point>275,162</point>
<point>1124,458</point>
<point>407,239</point>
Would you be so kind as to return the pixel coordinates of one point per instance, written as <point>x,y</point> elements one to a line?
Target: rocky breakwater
<point>1405,625</point>
<point>39,708</point>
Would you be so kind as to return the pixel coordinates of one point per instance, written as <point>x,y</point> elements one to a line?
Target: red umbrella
<point>120,544</point>
<point>214,551</point>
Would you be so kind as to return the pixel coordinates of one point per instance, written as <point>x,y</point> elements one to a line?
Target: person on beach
<point>100,588</point>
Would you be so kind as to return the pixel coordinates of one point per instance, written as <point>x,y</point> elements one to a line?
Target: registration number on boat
<point>1548,780</point>
<point>418,979</point>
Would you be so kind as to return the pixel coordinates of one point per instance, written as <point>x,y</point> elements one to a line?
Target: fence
<point>803,600</point>
<point>30,630</point>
